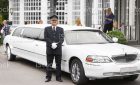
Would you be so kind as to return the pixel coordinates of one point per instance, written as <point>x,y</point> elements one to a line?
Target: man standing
<point>54,37</point>
<point>5,29</point>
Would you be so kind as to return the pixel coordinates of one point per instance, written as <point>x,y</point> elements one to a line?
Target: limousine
<point>87,53</point>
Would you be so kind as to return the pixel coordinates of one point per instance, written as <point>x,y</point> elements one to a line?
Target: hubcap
<point>75,72</point>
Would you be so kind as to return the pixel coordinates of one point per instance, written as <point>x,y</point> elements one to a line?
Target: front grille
<point>125,58</point>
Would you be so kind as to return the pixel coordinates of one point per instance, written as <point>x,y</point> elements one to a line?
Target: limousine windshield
<point>86,37</point>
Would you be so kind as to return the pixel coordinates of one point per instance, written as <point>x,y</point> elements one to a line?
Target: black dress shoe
<point>60,80</point>
<point>48,80</point>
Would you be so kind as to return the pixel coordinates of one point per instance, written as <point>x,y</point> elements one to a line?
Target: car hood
<point>109,49</point>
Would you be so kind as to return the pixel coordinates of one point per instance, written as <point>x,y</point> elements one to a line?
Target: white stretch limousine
<point>88,53</point>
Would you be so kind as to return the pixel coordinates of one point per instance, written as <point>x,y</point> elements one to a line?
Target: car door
<point>64,61</point>
<point>27,44</point>
<point>16,39</point>
<point>40,49</point>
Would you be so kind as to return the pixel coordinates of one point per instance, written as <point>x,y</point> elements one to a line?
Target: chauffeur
<point>54,37</point>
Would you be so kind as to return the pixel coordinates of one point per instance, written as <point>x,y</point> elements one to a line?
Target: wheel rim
<point>8,53</point>
<point>75,73</point>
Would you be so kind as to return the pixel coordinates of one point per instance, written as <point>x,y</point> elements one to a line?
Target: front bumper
<point>106,70</point>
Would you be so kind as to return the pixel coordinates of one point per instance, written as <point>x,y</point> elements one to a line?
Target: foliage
<point>4,8</point>
<point>118,34</point>
<point>1,40</point>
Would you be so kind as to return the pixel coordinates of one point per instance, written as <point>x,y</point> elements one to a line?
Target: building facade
<point>31,11</point>
<point>90,12</point>
<point>98,11</point>
<point>128,14</point>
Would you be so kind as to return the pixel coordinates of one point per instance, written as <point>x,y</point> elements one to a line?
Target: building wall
<point>132,19</point>
<point>76,9</point>
<point>127,20</point>
<point>14,13</point>
<point>10,10</point>
<point>44,11</point>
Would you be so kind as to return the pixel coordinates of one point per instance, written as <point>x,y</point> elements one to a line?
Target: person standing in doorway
<point>54,37</point>
<point>78,22</point>
<point>109,17</point>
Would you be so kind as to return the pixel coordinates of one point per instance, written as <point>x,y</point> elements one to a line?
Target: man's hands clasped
<point>54,45</point>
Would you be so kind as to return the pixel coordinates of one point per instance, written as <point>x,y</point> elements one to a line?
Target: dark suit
<point>52,36</point>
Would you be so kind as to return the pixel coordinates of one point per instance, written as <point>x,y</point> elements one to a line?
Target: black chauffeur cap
<point>54,16</point>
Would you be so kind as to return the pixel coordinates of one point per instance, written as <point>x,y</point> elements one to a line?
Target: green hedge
<point>1,40</point>
<point>118,34</point>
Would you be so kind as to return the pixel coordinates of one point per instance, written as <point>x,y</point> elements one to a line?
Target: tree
<point>4,8</point>
<point>1,19</point>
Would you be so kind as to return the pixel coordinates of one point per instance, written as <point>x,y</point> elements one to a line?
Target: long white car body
<point>87,53</point>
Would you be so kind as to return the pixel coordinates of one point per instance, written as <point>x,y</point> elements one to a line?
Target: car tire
<point>77,72</point>
<point>10,56</point>
<point>131,78</point>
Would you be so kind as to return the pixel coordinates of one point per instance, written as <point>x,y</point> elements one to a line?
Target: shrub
<point>1,40</point>
<point>118,34</point>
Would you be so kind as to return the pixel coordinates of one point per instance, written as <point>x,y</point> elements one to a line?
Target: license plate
<point>128,69</point>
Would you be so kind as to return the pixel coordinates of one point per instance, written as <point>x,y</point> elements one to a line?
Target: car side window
<point>41,37</point>
<point>32,33</point>
<point>17,32</point>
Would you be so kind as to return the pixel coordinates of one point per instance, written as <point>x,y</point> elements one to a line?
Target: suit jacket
<point>56,36</point>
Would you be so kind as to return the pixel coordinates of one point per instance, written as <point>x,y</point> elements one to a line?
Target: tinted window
<point>42,36</point>
<point>17,32</point>
<point>86,37</point>
<point>32,33</point>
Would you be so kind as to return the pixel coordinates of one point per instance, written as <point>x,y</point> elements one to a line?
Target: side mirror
<point>115,39</point>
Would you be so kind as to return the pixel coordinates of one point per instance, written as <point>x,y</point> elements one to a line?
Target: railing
<point>130,32</point>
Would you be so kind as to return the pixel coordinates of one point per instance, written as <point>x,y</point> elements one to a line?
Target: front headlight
<point>98,59</point>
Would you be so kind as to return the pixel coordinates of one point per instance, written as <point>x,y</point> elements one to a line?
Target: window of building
<point>32,10</point>
<point>76,10</point>
<point>16,13</point>
<point>60,10</point>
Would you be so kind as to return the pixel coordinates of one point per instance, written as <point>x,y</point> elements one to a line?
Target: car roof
<point>65,27</point>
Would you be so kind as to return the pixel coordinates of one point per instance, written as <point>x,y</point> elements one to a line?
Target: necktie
<point>53,29</point>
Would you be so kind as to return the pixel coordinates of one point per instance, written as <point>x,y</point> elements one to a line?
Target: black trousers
<point>50,58</point>
<point>108,27</point>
